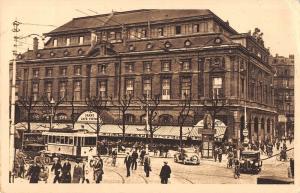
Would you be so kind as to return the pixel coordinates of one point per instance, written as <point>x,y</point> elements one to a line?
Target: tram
<point>74,144</point>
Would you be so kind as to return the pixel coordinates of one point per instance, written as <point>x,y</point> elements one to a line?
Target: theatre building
<point>167,53</point>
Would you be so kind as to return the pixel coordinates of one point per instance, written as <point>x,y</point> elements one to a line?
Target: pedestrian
<point>147,165</point>
<point>66,172</point>
<point>44,174</point>
<point>77,173</point>
<point>134,160</point>
<point>114,157</point>
<point>237,167</point>
<point>22,166</point>
<point>216,153</point>
<point>127,162</point>
<point>165,173</point>
<point>220,154</point>
<point>98,169</point>
<point>56,167</point>
<point>34,173</point>
<point>142,155</point>
<point>87,173</point>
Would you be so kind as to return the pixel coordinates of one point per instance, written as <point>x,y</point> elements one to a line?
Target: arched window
<point>165,119</point>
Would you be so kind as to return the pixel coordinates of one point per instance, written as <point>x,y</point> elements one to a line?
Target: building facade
<point>167,53</point>
<point>284,89</point>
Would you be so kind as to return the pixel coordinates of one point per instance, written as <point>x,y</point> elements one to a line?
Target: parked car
<point>250,162</point>
<point>187,156</point>
<point>274,180</point>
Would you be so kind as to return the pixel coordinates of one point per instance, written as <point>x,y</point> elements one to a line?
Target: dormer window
<point>160,31</point>
<point>196,28</point>
<point>80,40</point>
<point>67,41</point>
<point>178,29</point>
<point>77,70</point>
<point>55,42</point>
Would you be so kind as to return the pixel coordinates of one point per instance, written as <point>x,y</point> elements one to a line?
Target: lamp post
<point>52,102</point>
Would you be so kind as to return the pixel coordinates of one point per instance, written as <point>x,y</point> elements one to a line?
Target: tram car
<point>74,144</point>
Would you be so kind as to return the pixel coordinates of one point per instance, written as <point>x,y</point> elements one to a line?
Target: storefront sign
<point>88,117</point>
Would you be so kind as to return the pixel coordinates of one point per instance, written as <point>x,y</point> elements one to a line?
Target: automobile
<point>187,156</point>
<point>250,162</point>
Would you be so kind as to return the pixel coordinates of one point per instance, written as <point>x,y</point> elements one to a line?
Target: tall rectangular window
<point>62,90</point>
<point>166,66</point>
<point>81,40</point>
<point>48,90</point>
<point>203,27</point>
<point>178,29</point>
<point>49,72</point>
<point>63,71</point>
<point>242,86</point>
<point>35,91</point>
<point>185,87</point>
<point>77,70</point>
<point>112,35</point>
<point>54,42</point>
<point>67,41</point>
<point>166,89</point>
<point>195,28</point>
<point>129,67</point>
<point>147,87</point>
<point>186,65</point>
<point>35,72</point>
<point>102,88</point>
<point>160,32</point>
<point>102,68</point>
<point>77,90</point>
<point>130,87</point>
<point>217,87</point>
<point>147,66</point>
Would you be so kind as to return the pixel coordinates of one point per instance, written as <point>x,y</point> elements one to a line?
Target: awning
<point>220,128</point>
<point>40,126</point>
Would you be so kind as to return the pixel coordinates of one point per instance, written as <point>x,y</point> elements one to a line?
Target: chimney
<point>35,44</point>
<point>276,55</point>
<point>291,56</point>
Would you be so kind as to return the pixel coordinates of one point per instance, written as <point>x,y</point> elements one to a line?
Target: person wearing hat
<point>34,173</point>
<point>66,172</point>
<point>127,162</point>
<point>77,173</point>
<point>165,173</point>
<point>98,169</point>
<point>147,167</point>
<point>56,167</point>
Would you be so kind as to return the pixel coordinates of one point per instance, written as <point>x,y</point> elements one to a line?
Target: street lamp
<point>52,102</point>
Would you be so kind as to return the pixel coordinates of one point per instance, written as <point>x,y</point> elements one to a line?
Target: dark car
<point>274,180</point>
<point>250,162</point>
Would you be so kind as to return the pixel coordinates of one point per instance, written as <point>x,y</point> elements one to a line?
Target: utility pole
<point>12,103</point>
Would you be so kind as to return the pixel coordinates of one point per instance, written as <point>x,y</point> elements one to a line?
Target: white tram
<point>77,144</point>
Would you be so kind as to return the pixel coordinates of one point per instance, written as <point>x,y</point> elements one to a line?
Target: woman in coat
<point>77,173</point>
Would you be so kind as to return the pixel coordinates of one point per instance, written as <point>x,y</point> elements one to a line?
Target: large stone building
<point>170,53</point>
<point>284,89</point>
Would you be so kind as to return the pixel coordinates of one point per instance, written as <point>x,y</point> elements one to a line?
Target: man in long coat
<point>98,169</point>
<point>34,173</point>
<point>77,173</point>
<point>66,172</point>
<point>165,173</point>
<point>127,162</point>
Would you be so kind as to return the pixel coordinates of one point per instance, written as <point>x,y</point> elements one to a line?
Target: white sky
<point>275,18</point>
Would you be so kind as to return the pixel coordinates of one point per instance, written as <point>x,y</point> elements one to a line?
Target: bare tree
<point>123,105</point>
<point>213,106</point>
<point>73,120</point>
<point>150,105</point>
<point>49,108</point>
<point>98,105</point>
<point>28,103</point>
<point>184,114</point>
